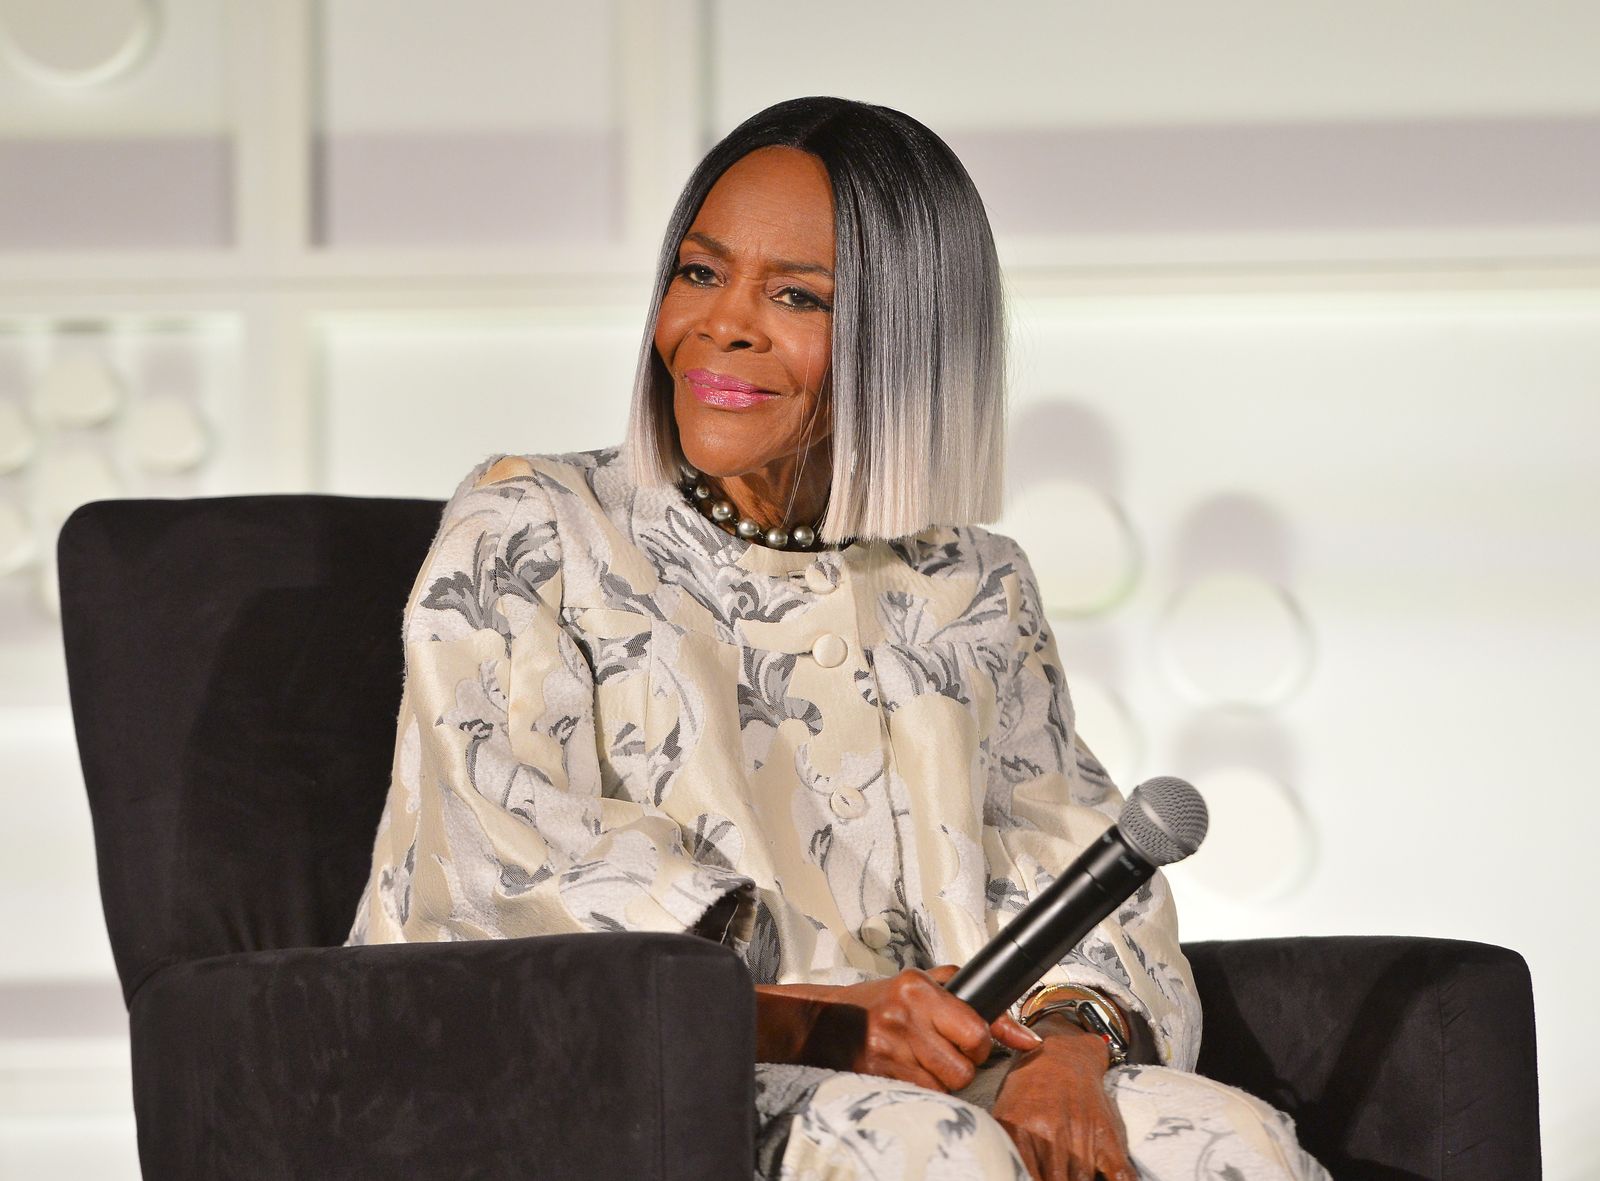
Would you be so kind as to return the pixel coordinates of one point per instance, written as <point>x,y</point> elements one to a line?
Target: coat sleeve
<point>1047,799</point>
<point>495,823</point>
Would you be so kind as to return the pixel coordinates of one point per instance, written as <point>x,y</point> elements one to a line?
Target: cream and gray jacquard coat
<point>618,717</point>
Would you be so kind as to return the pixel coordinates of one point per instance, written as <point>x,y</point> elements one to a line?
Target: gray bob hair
<point>918,366</point>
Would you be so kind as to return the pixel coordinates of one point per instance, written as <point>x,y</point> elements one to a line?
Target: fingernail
<point>1037,1040</point>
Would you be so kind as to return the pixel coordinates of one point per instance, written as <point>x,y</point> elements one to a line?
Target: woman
<point>756,675</point>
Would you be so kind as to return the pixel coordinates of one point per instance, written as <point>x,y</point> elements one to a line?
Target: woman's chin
<point>723,452</point>
<point>722,462</point>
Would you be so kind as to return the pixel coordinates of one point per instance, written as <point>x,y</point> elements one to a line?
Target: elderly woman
<point>758,676</point>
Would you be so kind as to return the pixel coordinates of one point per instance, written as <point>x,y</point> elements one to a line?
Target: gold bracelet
<point>1054,994</point>
<point>1088,1008</point>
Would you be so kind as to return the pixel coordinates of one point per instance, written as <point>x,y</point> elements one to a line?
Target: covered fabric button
<point>875,932</point>
<point>818,579</point>
<point>830,650</point>
<point>848,803</point>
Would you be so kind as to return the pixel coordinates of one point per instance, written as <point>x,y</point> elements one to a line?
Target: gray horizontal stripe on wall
<point>488,189</point>
<point>115,194</point>
<point>467,189</point>
<point>1443,174</point>
<point>61,1009</point>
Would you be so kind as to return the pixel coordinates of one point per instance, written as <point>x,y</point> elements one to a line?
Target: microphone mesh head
<point>1164,820</point>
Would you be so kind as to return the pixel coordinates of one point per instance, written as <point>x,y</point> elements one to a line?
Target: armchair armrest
<point>1397,1057</point>
<point>594,1055</point>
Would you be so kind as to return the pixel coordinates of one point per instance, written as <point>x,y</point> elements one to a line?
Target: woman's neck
<point>791,491</point>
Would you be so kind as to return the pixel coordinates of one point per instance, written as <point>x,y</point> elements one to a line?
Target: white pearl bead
<point>803,536</point>
<point>747,528</point>
<point>721,511</point>
<point>777,538</point>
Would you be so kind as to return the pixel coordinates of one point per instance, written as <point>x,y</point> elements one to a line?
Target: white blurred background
<point>1306,328</point>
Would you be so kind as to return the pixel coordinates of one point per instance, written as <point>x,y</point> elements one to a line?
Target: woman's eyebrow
<point>778,264</point>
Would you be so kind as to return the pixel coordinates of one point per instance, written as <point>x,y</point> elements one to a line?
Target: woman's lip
<point>724,392</point>
<point>728,399</point>
<point>721,381</point>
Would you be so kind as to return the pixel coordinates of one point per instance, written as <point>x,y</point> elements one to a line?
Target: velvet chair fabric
<point>568,1056</point>
<point>235,672</point>
<point>1399,1058</point>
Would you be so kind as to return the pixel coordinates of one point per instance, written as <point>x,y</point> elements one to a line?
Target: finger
<point>959,1024</point>
<point>1120,1131</point>
<point>914,1073</point>
<point>903,1065</point>
<point>939,1058</point>
<point>1112,1159</point>
<point>1080,1164</point>
<point>1028,1153</point>
<point>1062,1164</point>
<point>1112,1168</point>
<point>1115,1159</point>
<point>973,1044</point>
<point>1008,1031</point>
<point>1095,1154</point>
<point>930,1010</point>
<point>1005,1028</point>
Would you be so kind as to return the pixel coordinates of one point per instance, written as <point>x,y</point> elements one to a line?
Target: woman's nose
<point>733,318</point>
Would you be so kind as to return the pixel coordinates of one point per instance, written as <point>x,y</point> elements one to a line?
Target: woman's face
<point>746,325</point>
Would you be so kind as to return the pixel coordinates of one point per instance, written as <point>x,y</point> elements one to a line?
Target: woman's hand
<point>904,1027</point>
<point>1054,1106</point>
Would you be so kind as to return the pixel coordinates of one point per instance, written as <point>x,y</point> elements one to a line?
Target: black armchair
<point>235,672</point>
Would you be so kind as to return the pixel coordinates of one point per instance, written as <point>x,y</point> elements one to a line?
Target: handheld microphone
<point>1163,821</point>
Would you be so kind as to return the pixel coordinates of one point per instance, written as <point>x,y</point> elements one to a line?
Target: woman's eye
<point>697,273</point>
<point>801,299</point>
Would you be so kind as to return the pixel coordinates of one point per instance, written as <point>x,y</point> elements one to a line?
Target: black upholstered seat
<point>235,670</point>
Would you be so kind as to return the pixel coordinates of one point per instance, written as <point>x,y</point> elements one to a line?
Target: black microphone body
<point>1050,926</point>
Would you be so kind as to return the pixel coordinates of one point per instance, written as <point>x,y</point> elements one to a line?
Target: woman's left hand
<point>1054,1106</point>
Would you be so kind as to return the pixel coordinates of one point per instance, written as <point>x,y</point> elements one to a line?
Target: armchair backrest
<point>235,667</point>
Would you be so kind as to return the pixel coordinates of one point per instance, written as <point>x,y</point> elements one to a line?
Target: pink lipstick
<point>728,393</point>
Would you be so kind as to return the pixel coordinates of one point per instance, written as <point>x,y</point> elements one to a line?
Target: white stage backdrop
<point>1306,358</point>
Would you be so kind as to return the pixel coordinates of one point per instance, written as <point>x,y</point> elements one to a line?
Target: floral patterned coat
<point>618,717</point>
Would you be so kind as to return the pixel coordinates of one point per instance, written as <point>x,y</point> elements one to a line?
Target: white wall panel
<point>176,87</point>
<point>47,869</point>
<point>1234,132</point>
<point>66,1103</point>
<point>1044,64</point>
<point>64,1148</point>
<point>410,407</point>
<point>1417,475</point>
<point>138,155</point>
<point>481,122</point>
<point>477,65</point>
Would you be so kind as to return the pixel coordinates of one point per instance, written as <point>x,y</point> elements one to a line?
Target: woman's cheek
<point>671,326</point>
<point>666,339</point>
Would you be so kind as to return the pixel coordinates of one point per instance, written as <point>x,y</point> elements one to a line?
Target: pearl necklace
<point>799,537</point>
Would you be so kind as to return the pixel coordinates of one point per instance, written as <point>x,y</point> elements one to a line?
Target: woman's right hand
<point>904,1027</point>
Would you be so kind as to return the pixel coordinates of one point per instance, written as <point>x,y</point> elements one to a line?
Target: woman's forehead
<point>776,200</point>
